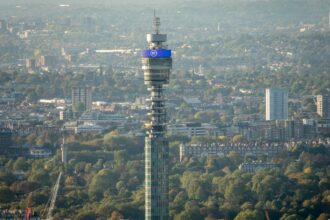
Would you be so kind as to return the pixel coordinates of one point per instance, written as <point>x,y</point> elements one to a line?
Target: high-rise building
<point>276,104</point>
<point>156,64</point>
<point>323,105</point>
<point>81,98</point>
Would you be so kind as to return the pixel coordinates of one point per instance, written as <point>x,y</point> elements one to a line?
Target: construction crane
<point>52,200</point>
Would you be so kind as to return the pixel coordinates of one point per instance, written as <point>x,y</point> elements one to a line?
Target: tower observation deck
<point>156,64</point>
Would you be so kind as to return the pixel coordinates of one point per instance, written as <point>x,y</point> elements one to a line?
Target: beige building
<point>323,105</point>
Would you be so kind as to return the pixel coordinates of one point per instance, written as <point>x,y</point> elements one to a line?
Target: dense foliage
<point>102,180</point>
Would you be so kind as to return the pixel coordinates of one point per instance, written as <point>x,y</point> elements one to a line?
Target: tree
<point>79,107</point>
<point>108,137</point>
<point>6,195</point>
<point>235,157</point>
<point>130,211</point>
<point>24,187</point>
<point>267,184</point>
<point>236,192</point>
<point>197,187</point>
<point>238,138</point>
<point>103,181</point>
<point>37,198</point>
<point>291,217</point>
<point>75,197</point>
<point>31,138</point>
<point>119,157</point>
<point>89,215</point>
<point>39,176</point>
<point>21,164</point>
<point>323,216</point>
<point>115,215</point>
<point>191,212</point>
<point>249,215</point>
<point>6,177</point>
<point>225,119</point>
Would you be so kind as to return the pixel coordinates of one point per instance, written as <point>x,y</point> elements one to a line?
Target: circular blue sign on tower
<point>159,53</point>
<point>153,53</point>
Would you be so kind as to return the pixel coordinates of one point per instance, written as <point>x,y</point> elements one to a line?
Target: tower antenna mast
<point>156,23</point>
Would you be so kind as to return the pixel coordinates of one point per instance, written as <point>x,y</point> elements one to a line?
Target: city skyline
<point>221,112</point>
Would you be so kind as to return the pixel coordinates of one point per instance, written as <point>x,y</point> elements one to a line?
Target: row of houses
<point>256,149</point>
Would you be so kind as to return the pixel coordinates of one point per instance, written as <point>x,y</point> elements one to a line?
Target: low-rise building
<point>256,149</point>
<point>100,117</point>
<point>191,129</point>
<point>66,115</point>
<point>40,153</point>
<point>88,128</point>
<point>279,130</point>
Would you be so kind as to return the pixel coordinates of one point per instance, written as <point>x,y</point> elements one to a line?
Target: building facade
<point>279,130</point>
<point>66,115</point>
<point>102,117</point>
<point>156,64</point>
<point>323,105</point>
<point>276,104</point>
<point>82,96</point>
<point>254,149</point>
<point>192,129</point>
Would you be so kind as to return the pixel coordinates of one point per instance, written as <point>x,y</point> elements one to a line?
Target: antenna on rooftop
<point>156,23</point>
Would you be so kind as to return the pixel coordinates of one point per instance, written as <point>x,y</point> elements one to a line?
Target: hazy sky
<point>177,13</point>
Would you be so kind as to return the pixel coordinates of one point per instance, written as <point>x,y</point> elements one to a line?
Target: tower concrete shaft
<point>156,64</point>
